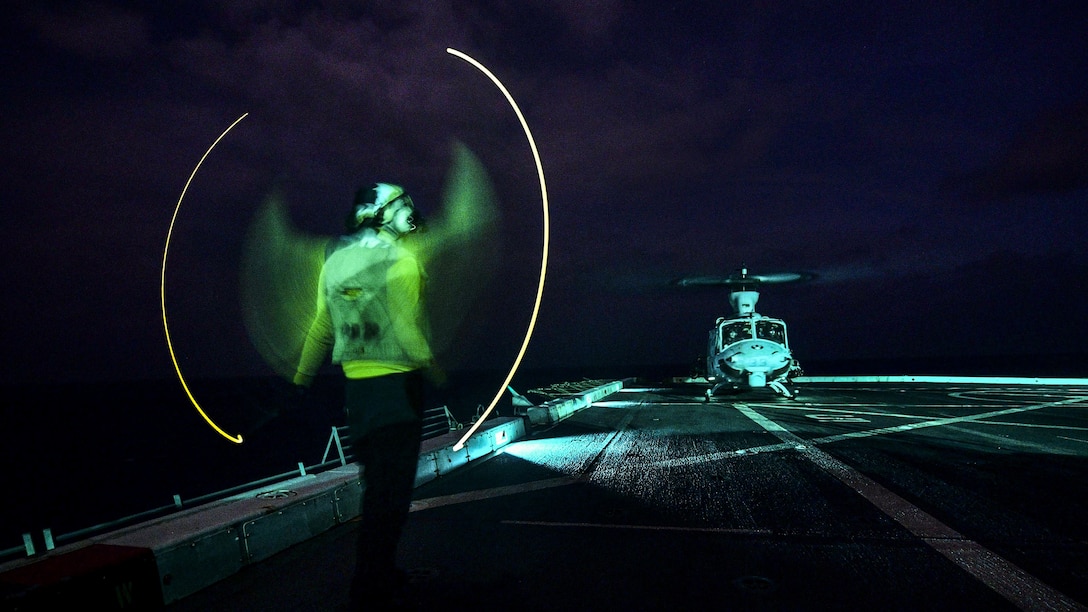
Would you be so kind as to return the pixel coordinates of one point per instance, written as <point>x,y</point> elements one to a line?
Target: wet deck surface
<point>880,496</point>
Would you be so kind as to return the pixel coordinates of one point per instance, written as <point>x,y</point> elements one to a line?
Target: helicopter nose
<point>757,358</point>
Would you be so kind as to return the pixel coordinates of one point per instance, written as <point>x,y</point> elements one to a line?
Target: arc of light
<point>543,258</point>
<point>162,291</point>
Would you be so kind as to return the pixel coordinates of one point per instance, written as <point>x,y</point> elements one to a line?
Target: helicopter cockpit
<point>763,328</point>
<point>753,348</point>
<point>773,330</point>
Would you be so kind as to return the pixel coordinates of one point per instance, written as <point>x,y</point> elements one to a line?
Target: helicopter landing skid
<point>720,387</point>
<point>782,389</point>
<point>779,387</point>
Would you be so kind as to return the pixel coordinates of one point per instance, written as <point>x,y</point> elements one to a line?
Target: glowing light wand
<point>543,258</point>
<point>162,290</point>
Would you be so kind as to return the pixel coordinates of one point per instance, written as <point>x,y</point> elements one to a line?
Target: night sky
<point>928,162</point>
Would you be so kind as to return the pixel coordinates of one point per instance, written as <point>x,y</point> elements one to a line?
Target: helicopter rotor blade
<point>701,281</point>
<point>782,277</point>
<point>747,279</point>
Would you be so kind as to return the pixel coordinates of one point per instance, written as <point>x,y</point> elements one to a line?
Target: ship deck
<point>892,493</point>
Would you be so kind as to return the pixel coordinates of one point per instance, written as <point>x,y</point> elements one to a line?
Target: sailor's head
<point>383,206</point>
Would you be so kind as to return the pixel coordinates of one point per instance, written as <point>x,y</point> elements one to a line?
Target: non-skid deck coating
<point>853,496</point>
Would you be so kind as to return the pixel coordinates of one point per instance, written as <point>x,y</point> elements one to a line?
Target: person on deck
<point>370,314</point>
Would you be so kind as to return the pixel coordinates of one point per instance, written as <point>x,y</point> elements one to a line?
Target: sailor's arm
<point>318,340</point>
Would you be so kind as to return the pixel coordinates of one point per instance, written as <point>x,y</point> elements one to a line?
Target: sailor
<point>370,313</point>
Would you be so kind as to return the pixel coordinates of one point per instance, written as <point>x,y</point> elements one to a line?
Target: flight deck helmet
<point>376,207</point>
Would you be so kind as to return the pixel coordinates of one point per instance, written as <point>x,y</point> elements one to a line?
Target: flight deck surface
<point>852,496</point>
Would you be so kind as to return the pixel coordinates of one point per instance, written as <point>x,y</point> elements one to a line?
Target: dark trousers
<point>389,456</point>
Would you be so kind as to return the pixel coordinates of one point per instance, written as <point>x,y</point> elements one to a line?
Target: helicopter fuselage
<point>748,351</point>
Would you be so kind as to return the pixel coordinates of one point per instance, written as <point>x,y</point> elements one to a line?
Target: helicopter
<point>748,350</point>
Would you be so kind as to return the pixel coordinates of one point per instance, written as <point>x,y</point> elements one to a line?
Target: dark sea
<point>77,456</point>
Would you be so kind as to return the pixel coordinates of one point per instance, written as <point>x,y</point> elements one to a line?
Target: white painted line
<point>726,455</point>
<point>644,527</point>
<point>1014,395</point>
<point>723,455</point>
<point>1009,443</point>
<point>482,494</point>
<point>854,408</point>
<point>1033,425</point>
<point>983,380</point>
<point>941,422</point>
<point>997,573</point>
<point>843,417</point>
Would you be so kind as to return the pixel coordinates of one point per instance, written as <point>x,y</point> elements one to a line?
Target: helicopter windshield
<point>736,331</point>
<point>771,330</point>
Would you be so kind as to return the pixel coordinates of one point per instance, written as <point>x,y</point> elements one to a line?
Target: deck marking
<point>1015,394</point>
<point>482,494</point>
<point>1010,443</point>
<point>1034,425</point>
<point>996,572</point>
<point>913,379</point>
<point>722,455</point>
<point>941,422</point>
<point>755,450</point>
<point>897,415</point>
<point>839,417</point>
<point>643,527</point>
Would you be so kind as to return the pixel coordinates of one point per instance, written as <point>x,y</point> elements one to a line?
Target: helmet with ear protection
<point>370,204</point>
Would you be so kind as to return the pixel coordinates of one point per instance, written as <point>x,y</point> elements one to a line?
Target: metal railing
<point>436,421</point>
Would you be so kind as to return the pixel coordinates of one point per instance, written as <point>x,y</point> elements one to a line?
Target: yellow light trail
<point>162,290</point>
<point>543,258</point>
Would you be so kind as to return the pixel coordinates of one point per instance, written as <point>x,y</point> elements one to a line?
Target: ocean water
<point>80,455</point>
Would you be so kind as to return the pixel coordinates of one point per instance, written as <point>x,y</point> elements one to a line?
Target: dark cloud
<point>93,31</point>
<point>1049,156</point>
